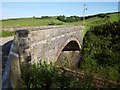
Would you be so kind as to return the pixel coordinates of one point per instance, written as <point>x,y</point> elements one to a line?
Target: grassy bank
<point>24,22</point>
<point>100,51</point>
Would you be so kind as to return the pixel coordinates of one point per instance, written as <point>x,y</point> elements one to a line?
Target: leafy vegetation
<point>69,19</point>
<point>49,76</point>
<point>42,17</point>
<point>54,23</point>
<point>46,76</point>
<point>100,51</point>
<point>46,17</point>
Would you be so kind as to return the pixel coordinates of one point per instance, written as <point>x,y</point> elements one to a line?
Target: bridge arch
<point>69,41</point>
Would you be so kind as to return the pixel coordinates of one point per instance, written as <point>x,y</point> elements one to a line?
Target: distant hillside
<point>45,20</point>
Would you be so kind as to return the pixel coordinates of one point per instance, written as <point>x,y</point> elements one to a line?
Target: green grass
<point>23,22</point>
<point>28,22</point>
<point>7,33</point>
<point>114,17</point>
<point>44,22</point>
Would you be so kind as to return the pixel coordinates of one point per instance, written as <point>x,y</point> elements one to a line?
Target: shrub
<point>52,23</point>
<point>46,76</point>
<point>101,46</point>
<point>61,18</point>
<point>69,19</point>
<point>44,17</point>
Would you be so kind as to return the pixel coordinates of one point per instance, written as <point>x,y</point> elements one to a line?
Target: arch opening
<point>72,46</point>
<point>70,55</point>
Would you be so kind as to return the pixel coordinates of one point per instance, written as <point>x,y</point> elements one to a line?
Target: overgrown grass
<point>49,76</point>
<point>4,33</point>
<point>100,51</point>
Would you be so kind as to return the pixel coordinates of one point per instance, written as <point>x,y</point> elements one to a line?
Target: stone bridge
<point>32,46</point>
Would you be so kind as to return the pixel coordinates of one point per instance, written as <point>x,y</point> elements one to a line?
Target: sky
<point>60,0</point>
<point>30,9</point>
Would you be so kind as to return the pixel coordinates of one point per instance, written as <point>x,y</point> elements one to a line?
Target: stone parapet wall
<point>44,44</point>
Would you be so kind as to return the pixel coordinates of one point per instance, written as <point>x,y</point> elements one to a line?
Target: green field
<point>46,21</point>
<point>23,22</point>
<point>28,22</point>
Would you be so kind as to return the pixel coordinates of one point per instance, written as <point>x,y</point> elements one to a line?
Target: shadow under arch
<point>71,46</point>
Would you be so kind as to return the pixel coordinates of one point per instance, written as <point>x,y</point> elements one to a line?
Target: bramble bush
<point>101,50</point>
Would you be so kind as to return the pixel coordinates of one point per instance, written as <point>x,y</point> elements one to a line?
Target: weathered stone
<point>46,44</point>
<point>22,33</point>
